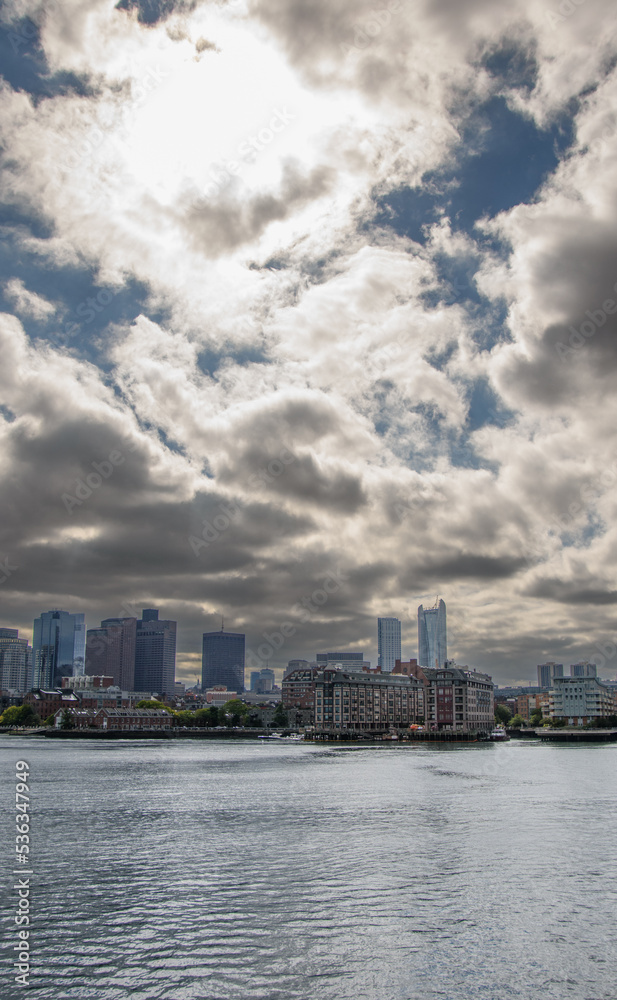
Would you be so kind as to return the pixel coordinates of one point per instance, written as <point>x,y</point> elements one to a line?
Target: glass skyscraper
<point>388,643</point>
<point>155,653</point>
<point>222,661</point>
<point>432,641</point>
<point>58,648</point>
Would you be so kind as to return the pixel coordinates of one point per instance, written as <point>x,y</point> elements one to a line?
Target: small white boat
<point>499,735</point>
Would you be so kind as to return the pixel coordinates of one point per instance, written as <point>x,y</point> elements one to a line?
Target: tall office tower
<point>432,635</point>
<point>155,654</point>
<point>584,669</point>
<point>15,661</point>
<point>254,679</point>
<point>266,680</point>
<point>388,643</point>
<point>58,648</point>
<point>222,660</point>
<point>110,651</point>
<point>547,673</point>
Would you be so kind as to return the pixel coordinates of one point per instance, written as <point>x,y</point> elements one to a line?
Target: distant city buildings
<point>350,660</point>
<point>155,654</point>
<point>219,695</point>
<point>547,672</point>
<point>584,669</point>
<point>432,635</point>
<point>58,647</point>
<point>262,681</point>
<point>15,661</point>
<point>111,650</point>
<point>388,643</point>
<point>222,661</point>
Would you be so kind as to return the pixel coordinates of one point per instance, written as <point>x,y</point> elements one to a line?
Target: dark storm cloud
<point>461,566</point>
<point>571,592</point>
<point>219,226</point>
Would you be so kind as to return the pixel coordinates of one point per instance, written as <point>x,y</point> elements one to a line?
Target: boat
<point>498,735</point>
<point>294,737</point>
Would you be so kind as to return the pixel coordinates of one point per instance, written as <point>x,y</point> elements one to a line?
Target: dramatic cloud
<point>309,298</point>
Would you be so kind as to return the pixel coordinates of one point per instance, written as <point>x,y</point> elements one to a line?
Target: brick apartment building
<point>363,702</point>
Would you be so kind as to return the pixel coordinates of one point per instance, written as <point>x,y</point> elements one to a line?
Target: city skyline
<point>106,647</point>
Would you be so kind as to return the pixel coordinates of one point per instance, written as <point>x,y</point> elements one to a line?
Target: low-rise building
<point>46,703</point>
<point>133,718</point>
<point>128,719</point>
<point>219,695</point>
<point>581,700</point>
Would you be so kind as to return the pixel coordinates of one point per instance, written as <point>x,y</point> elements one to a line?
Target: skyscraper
<point>222,661</point>
<point>15,661</point>
<point>547,673</point>
<point>155,654</point>
<point>58,648</point>
<point>388,643</point>
<point>110,650</point>
<point>584,669</point>
<point>432,638</point>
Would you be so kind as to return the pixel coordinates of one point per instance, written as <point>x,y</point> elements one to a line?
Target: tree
<point>517,722</point>
<point>280,715</point>
<point>151,703</point>
<point>502,714</point>
<point>235,711</point>
<point>66,721</point>
<point>536,717</point>
<point>19,715</point>
<point>50,720</point>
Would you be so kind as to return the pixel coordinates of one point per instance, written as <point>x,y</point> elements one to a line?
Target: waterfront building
<point>388,643</point>
<point>581,700</point>
<point>15,661</point>
<point>362,702</point>
<point>127,719</point>
<point>432,635</point>
<point>547,672</point>
<point>298,687</point>
<point>457,698</point>
<point>58,647</point>
<point>222,660</point>
<point>351,660</point>
<point>155,654</point>
<point>111,650</point>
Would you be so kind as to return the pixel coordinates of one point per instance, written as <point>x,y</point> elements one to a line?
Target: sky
<point>308,315</point>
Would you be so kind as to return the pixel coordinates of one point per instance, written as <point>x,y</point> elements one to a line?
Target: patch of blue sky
<point>514,65</point>
<point>502,160</point>
<point>150,11</point>
<point>210,359</point>
<point>24,66</point>
<point>484,407</point>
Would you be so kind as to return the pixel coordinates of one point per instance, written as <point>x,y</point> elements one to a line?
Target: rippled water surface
<point>190,870</point>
